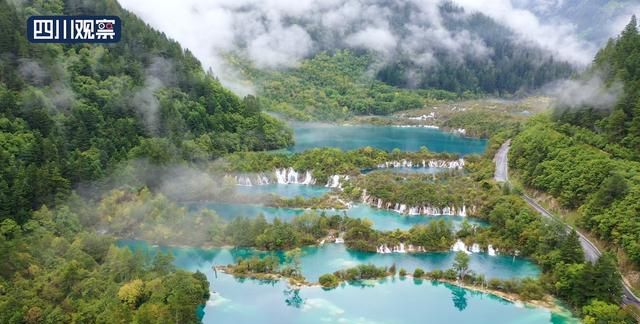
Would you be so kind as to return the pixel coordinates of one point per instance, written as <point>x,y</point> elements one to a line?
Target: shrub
<point>329,281</point>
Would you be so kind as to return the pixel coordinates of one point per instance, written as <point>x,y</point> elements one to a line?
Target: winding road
<point>502,166</point>
<point>591,252</point>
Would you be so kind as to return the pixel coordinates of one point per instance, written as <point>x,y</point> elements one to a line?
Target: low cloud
<point>560,38</point>
<point>376,39</point>
<point>279,33</point>
<point>158,75</point>
<point>591,92</point>
<point>280,47</point>
<point>32,72</point>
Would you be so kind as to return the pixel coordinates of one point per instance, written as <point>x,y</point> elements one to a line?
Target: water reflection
<point>391,301</point>
<point>458,295</point>
<point>293,298</point>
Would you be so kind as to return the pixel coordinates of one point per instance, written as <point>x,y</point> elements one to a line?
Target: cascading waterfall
<point>475,248</point>
<point>444,164</point>
<point>282,176</point>
<point>490,250</point>
<point>292,176</point>
<point>413,210</point>
<point>243,181</point>
<point>384,249</point>
<point>334,181</point>
<point>460,246</point>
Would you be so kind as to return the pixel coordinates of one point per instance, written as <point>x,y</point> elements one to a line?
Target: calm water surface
<point>384,220</point>
<point>391,300</point>
<point>284,190</point>
<point>309,136</point>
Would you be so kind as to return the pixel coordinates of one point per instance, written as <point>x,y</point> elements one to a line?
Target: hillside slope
<point>69,113</point>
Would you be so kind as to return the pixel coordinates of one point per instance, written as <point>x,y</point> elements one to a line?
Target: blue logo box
<point>74,29</point>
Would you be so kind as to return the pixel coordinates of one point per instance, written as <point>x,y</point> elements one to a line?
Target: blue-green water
<point>392,300</point>
<point>284,190</point>
<point>408,170</point>
<point>384,220</point>
<point>309,136</point>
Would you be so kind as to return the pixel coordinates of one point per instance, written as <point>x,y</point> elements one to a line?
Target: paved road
<point>591,252</point>
<point>502,168</point>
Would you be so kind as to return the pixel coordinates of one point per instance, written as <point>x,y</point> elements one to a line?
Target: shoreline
<point>548,302</point>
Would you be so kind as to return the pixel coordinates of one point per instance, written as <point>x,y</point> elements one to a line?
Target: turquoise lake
<point>392,300</point>
<point>405,170</point>
<point>349,137</point>
<point>284,190</point>
<point>382,219</point>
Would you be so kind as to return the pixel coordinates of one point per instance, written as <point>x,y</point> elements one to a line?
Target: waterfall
<point>490,250</point>
<point>364,197</point>
<point>243,181</point>
<point>281,176</point>
<point>401,248</point>
<point>475,248</point>
<point>308,179</point>
<point>404,163</point>
<point>463,212</point>
<point>379,203</point>
<point>460,246</point>
<point>384,249</point>
<point>291,176</point>
<point>334,181</point>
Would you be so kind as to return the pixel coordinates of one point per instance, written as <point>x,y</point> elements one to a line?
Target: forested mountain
<point>459,55</point>
<point>618,61</point>
<point>503,66</point>
<point>588,157</point>
<point>592,18</point>
<point>69,113</point>
<point>336,86</point>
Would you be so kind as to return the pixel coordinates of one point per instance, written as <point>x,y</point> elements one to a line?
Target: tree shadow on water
<point>459,297</point>
<point>293,298</point>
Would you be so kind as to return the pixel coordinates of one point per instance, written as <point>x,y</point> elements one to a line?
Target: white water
<point>334,181</point>
<point>460,246</point>
<point>280,176</point>
<point>444,164</point>
<point>490,250</point>
<point>427,210</point>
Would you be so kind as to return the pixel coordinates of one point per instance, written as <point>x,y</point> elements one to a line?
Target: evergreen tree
<point>571,250</point>
<point>461,264</point>
<point>606,285</point>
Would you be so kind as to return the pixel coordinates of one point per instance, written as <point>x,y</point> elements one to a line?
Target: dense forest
<point>333,86</point>
<point>588,15</point>
<point>74,114</point>
<point>341,80</point>
<point>53,271</point>
<point>589,157</point>
<point>325,162</point>
<point>70,113</point>
<point>509,67</point>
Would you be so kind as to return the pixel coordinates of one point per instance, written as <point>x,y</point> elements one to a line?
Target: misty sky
<point>279,33</point>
